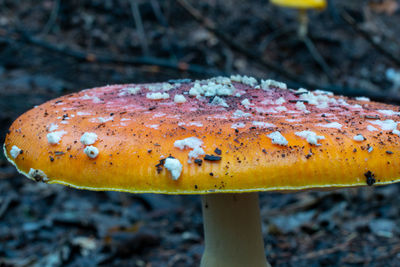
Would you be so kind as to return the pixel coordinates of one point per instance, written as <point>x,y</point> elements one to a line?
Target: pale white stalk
<point>303,23</point>
<point>232,231</point>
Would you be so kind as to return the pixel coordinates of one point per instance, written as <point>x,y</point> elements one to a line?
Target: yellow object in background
<point>308,4</point>
<point>302,6</point>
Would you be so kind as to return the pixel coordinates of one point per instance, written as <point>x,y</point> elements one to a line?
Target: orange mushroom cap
<point>217,135</point>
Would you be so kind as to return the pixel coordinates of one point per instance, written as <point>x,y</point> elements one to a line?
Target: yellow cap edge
<point>286,189</point>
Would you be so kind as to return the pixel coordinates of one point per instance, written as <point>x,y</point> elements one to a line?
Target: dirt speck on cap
<point>370,178</point>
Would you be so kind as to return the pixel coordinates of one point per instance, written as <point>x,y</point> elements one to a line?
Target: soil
<point>51,48</point>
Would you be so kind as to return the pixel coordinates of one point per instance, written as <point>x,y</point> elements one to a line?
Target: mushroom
<point>302,6</point>
<point>123,138</point>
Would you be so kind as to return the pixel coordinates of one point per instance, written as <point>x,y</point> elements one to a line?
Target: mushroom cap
<point>304,4</point>
<point>217,135</point>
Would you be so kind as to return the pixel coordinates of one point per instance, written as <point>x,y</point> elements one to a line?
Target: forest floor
<point>50,48</point>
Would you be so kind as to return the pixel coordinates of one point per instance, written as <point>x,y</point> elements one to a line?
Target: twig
<point>163,21</point>
<point>332,10</point>
<point>5,205</point>
<point>391,250</point>
<point>307,42</point>
<point>94,57</point>
<point>53,17</point>
<point>280,32</point>
<point>139,26</point>
<point>210,26</point>
<point>322,252</point>
<point>157,12</point>
<point>351,21</point>
<point>317,57</point>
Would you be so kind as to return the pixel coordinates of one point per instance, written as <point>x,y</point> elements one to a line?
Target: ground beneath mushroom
<point>42,225</point>
<point>50,225</point>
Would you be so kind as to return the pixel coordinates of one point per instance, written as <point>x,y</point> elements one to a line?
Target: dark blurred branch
<point>53,17</point>
<point>158,13</point>
<point>25,38</point>
<point>277,33</point>
<point>101,58</point>
<point>211,27</point>
<point>367,36</point>
<point>139,26</point>
<point>316,55</point>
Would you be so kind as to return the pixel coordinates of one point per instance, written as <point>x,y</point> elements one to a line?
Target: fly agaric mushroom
<point>223,138</point>
<point>302,6</point>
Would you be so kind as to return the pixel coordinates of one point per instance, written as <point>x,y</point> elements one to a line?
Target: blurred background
<point>51,48</point>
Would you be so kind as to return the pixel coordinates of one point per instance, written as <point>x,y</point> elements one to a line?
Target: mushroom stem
<point>232,231</point>
<point>303,24</point>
